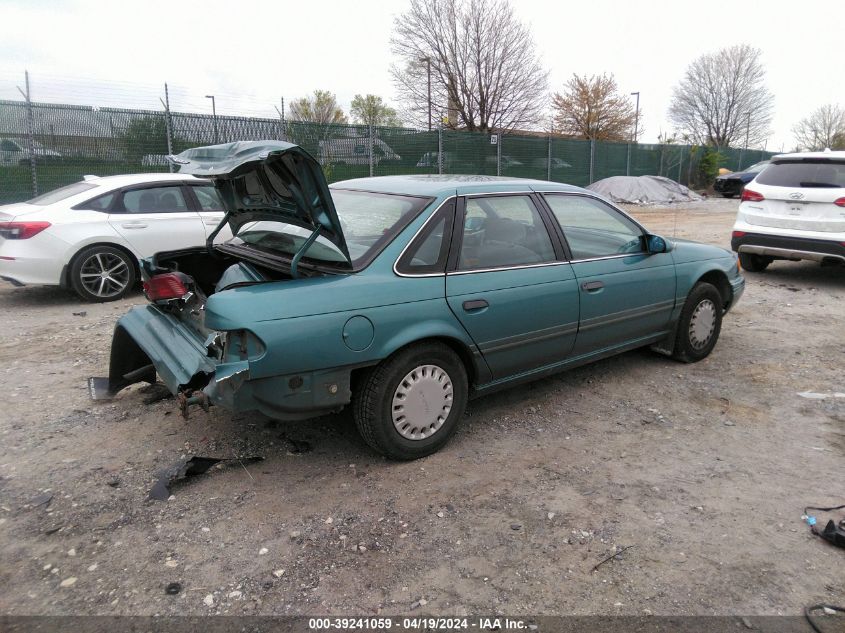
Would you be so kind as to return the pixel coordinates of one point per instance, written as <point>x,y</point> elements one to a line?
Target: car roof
<point>838,155</point>
<point>439,185</point>
<point>125,180</point>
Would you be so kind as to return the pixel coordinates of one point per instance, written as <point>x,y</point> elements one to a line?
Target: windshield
<point>804,173</point>
<point>369,222</point>
<point>61,193</point>
<point>758,167</point>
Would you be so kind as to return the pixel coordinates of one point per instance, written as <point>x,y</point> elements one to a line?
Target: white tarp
<point>643,190</point>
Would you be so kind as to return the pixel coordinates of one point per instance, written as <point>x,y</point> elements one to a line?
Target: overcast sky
<point>249,54</point>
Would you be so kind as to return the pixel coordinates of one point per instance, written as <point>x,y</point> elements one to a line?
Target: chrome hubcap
<point>702,324</point>
<point>422,402</point>
<point>104,274</point>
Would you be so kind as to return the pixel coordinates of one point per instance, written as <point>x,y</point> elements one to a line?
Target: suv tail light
<point>840,202</point>
<point>738,234</point>
<point>21,230</point>
<point>166,286</point>
<point>751,196</point>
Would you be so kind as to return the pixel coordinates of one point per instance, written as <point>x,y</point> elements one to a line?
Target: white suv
<point>794,209</point>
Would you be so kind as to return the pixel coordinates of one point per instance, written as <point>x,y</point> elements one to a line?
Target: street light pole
<point>636,116</point>
<point>214,116</point>
<point>427,60</point>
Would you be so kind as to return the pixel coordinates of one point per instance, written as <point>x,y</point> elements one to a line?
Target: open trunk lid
<point>267,180</point>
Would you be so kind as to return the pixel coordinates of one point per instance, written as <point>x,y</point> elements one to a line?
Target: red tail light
<point>840,202</point>
<point>21,230</point>
<point>751,196</point>
<point>738,234</point>
<point>166,286</point>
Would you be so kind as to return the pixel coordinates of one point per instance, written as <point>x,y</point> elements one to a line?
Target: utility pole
<point>168,131</point>
<point>281,112</point>
<point>214,115</point>
<point>636,116</point>
<point>30,134</point>
<point>427,60</point>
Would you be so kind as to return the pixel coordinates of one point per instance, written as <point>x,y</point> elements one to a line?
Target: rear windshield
<point>61,193</point>
<point>369,221</point>
<point>804,173</point>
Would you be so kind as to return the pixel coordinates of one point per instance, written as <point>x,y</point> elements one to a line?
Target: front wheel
<point>699,324</point>
<point>410,405</point>
<point>102,273</point>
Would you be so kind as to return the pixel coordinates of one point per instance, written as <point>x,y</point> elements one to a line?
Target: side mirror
<point>657,244</point>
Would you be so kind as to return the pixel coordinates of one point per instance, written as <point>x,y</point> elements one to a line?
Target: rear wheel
<point>699,324</point>
<point>409,405</point>
<point>754,263</point>
<point>728,195</point>
<point>102,273</point>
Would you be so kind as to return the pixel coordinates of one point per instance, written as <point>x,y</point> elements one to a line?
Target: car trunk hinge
<point>295,261</point>
<point>209,243</point>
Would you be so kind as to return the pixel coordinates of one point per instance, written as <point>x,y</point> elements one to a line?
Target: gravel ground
<point>700,470</point>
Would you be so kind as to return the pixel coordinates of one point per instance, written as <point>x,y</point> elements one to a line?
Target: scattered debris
<point>263,551</point>
<point>617,555</point>
<point>812,395</point>
<point>833,533</point>
<point>516,526</point>
<point>68,582</point>
<point>188,467</point>
<point>41,500</point>
<point>279,573</point>
<point>173,588</point>
<point>81,313</point>
<point>208,600</point>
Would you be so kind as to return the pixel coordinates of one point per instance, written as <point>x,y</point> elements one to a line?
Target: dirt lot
<point>701,470</point>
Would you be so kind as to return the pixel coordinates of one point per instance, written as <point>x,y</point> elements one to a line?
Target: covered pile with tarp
<point>643,190</point>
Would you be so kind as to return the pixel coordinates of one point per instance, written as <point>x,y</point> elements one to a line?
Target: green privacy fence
<point>44,146</point>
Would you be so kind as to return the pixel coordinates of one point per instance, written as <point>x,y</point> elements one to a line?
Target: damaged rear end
<point>169,337</point>
<point>204,362</point>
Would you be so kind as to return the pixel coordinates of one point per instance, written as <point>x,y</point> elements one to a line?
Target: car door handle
<point>134,225</point>
<point>475,304</point>
<point>592,286</point>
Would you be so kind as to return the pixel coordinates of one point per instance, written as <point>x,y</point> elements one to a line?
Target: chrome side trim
<point>788,253</point>
<point>598,259</point>
<point>492,270</point>
<point>411,241</point>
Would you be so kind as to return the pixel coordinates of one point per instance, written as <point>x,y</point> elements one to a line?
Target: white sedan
<point>89,235</point>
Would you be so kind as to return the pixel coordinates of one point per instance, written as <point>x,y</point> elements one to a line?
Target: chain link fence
<point>48,145</point>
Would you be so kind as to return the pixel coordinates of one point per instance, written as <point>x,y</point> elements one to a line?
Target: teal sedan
<point>404,296</point>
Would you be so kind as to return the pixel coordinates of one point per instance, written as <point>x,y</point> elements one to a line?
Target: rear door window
<point>208,198</point>
<point>155,200</point>
<point>805,173</point>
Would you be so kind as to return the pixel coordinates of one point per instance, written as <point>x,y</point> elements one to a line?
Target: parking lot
<point>698,472</point>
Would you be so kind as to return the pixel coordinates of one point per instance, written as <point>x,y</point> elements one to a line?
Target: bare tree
<point>591,107</point>
<point>321,107</point>
<point>372,110</point>
<point>484,70</point>
<point>823,128</point>
<point>722,98</point>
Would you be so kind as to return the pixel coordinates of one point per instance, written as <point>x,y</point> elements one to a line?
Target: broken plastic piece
<point>182,469</point>
<point>188,467</point>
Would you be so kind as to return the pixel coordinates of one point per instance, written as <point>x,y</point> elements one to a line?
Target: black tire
<point>702,312</point>
<point>373,401</point>
<point>84,270</point>
<point>754,263</point>
<point>728,195</point>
